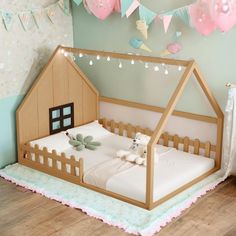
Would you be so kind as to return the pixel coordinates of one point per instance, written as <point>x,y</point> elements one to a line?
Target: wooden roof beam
<point>159,60</point>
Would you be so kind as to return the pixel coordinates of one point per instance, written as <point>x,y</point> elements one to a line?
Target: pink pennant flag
<point>132,8</point>
<point>166,21</point>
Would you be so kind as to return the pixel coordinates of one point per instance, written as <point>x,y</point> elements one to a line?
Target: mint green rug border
<point>132,219</point>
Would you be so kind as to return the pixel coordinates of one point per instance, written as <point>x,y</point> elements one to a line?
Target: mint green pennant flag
<point>146,14</point>
<point>125,4</point>
<point>183,14</point>
<point>8,18</point>
<point>77,2</point>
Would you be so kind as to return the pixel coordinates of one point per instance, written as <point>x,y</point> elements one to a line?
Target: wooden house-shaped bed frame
<point>62,82</point>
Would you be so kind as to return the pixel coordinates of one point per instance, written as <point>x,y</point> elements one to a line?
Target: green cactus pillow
<point>80,142</point>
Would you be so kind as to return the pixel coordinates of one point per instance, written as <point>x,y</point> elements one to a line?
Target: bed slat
<point>54,161</point>
<point>81,169</point>
<point>196,146</point>
<point>36,147</point>
<point>45,157</point>
<point>207,149</point>
<point>63,165</point>
<point>72,168</point>
<point>176,141</point>
<point>129,131</point>
<point>186,144</point>
<point>121,128</point>
<point>165,139</point>
<point>112,126</point>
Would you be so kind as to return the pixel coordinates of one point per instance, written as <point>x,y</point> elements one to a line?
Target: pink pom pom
<point>201,17</point>
<point>224,14</point>
<point>101,8</point>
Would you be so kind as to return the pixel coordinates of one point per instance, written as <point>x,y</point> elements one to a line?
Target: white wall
<point>176,125</point>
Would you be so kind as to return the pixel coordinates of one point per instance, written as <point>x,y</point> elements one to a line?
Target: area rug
<point>133,220</point>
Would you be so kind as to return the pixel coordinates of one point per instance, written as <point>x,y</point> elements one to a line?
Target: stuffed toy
<point>137,152</point>
<point>79,142</point>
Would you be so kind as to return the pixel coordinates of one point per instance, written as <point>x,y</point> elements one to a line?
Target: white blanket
<point>99,174</point>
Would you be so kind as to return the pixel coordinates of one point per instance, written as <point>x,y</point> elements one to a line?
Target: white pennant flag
<point>37,14</point>
<point>25,19</point>
<point>51,14</point>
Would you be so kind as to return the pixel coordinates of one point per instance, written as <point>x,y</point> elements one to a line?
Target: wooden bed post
<point>218,111</point>
<point>158,131</point>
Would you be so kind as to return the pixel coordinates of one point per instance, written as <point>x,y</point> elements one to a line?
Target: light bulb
<point>81,55</point>
<point>179,68</point>
<point>98,57</point>
<point>166,72</point>
<point>65,54</point>
<point>146,65</point>
<point>132,62</point>
<point>120,65</point>
<point>156,68</point>
<point>163,64</point>
<point>74,58</point>
<point>90,62</point>
<point>62,51</point>
<point>108,58</point>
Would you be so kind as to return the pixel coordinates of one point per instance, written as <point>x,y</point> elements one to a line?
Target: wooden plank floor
<point>25,213</point>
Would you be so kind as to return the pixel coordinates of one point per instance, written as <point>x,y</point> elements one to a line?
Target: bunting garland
<point>25,17</point>
<point>205,16</point>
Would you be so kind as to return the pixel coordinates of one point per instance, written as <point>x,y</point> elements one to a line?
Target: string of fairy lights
<point>93,59</point>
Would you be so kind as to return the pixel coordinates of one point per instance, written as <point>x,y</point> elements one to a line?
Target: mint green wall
<point>215,54</point>
<point>7,128</point>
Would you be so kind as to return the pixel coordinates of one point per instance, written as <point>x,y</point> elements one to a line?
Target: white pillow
<point>94,129</point>
<point>59,142</point>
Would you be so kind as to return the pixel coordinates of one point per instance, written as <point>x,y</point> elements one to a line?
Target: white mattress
<point>173,170</point>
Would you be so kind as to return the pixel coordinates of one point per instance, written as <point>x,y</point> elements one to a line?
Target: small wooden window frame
<point>61,118</point>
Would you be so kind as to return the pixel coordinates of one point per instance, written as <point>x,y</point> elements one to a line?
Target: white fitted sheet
<point>173,169</point>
